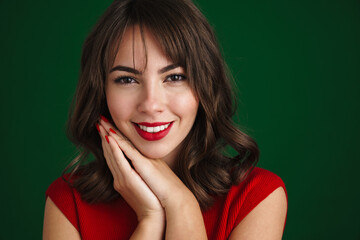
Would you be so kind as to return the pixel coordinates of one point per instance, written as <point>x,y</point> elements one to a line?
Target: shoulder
<point>60,217</point>
<point>240,201</point>
<point>63,196</point>
<point>256,186</point>
<point>56,224</point>
<point>264,206</point>
<point>250,192</point>
<point>61,189</point>
<point>262,178</point>
<point>62,183</point>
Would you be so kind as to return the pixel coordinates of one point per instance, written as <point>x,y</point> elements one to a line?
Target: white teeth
<point>154,129</point>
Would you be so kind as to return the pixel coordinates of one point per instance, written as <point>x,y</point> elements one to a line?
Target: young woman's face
<point>151,102</point>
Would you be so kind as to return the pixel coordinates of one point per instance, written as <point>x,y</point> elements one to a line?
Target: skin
<point>152,91</point>
<point>157,93</point>
<point>151,188</point>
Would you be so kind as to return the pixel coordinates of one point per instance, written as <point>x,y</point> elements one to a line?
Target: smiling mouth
<point>153,131</point>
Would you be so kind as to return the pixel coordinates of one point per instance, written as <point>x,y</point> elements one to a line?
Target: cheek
<point>120,107</point>
<point>185,105</point>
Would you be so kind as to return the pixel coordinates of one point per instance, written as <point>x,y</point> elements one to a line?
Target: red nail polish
<point>107,139</point>
<point>112,130</point>
<point>104,118</point>
<point>97,127</point>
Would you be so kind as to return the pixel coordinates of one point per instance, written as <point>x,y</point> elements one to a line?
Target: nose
<point>152,99</point>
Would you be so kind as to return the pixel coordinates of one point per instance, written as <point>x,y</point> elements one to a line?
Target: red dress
<point>117,220</point>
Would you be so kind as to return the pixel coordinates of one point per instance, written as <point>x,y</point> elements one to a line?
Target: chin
<point>154,154</point>
<point>158,153</point>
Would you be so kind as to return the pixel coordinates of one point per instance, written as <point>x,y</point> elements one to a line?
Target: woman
<point>154,84</point>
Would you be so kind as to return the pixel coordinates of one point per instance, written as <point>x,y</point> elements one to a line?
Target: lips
<point>153,131</point>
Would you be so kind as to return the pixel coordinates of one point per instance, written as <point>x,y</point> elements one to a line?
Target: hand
<point>128,182</point>
<point>183,216</point>
<point>157,175</point>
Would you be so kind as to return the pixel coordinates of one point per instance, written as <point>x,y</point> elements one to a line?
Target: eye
<point>175,78</point>
<point>125,80</point>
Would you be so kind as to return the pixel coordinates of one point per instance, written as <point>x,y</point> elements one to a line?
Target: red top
<point>117,220</point>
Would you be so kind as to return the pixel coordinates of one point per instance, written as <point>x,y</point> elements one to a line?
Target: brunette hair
<point>187,39</point>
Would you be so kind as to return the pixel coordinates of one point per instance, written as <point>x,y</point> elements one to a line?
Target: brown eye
<point>175,78</point>
<point>125,80</point>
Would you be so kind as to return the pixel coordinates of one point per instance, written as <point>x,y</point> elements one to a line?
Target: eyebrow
<point>137,72</point>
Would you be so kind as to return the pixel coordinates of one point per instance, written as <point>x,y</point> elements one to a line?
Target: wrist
<point>152,218</point>
<point>150,227</point>
<point>154,225</point>
<point>180,200</point>
<point>184,219</point>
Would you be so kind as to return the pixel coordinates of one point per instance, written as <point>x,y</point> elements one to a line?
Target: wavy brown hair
<point>187,39</point>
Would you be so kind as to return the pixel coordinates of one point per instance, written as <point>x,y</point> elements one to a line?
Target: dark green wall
<point>297,67</point>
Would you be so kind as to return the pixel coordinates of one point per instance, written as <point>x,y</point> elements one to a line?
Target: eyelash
<point>182,77</point>
<point>126,80</point>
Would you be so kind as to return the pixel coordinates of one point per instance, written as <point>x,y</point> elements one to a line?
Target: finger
<point>119,159</point>
<point>107,151</point>
<point>112,129</point>
<point>128,148</point>
<point>106,124</point>
<point>134,156</point>
<point>118,164</point>
<point>114,148</point>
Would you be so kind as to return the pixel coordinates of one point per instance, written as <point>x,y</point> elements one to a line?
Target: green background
<point>297,67</point>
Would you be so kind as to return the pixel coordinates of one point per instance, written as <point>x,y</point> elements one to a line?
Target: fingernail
<point>104,118</point>
<point>107,139</point>
<point>112,130</point>
<point>97,127</point>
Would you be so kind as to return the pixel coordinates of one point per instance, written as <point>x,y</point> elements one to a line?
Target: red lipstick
<point>152,136</point>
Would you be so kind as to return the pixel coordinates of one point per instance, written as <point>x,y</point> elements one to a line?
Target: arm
<point>151,225</point>
<point>184,219</point>
<point>266,221</point>
<point>133,189</point>
<point>149,228</point>
<point>56,225</point>
<point>181,209</point>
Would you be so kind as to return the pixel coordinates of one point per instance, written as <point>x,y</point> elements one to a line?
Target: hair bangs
<point>166,25</point>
